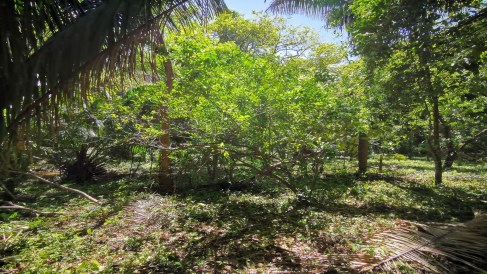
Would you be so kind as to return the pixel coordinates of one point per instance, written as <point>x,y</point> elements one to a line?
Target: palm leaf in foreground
<point>68,48</point>
<point>432,247</point>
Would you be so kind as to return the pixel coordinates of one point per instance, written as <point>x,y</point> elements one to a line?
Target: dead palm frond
<point>433,247</point>
<point>52,51</point>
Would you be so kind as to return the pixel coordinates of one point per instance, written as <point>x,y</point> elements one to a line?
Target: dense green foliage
<point>428,75</point>
<point>251,129</point>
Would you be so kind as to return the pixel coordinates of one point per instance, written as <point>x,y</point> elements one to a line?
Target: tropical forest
<point>186,136</point>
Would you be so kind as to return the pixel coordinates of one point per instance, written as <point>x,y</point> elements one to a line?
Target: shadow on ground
<point>253,232</point>
<point>261,228</point>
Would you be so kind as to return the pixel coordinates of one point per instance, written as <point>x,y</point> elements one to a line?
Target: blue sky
<point>246,7</point>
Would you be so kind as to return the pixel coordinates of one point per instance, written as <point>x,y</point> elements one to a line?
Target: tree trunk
<point>436,142</point>
<point>8,187</point>
<point>424,55</point>
<point>10,160</point>
<point>214,166</point>
<point>450,159</point>
<point>381,163</point>
<point>166,183</point>
<point>363,152</point>
<point>451,153</point>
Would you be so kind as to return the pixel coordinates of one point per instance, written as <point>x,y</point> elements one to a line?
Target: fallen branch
<point>65,188</point>
<point>8,191</point>
<point>23,208</point>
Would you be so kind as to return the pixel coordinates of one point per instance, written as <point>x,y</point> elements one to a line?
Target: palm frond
<point>54,51</point>
<point>464,244</point>
<point>333,12</point>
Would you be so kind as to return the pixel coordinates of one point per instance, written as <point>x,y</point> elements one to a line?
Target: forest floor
<point>259,229</point>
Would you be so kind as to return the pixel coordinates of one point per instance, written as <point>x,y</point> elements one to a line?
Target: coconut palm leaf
<point>464,244</point>
<point>52,51</point>
<point>334,12</point>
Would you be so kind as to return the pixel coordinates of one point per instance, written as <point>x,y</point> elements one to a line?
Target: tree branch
<point>23,208</point>
<point>8,191</point>
<point>475,137</point>
<point>65,188</point>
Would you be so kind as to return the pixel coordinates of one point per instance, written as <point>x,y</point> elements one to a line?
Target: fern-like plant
<point>87,164</point>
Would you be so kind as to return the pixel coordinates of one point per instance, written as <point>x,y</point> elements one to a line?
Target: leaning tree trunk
<point>363,152</point>
<point>451,157</point>
<point>166,183</point>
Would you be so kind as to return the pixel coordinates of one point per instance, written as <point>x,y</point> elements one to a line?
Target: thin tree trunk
<point>30,153</point>
<point>436,142</point>
<point>363,152</point>
<point>166,182</point>
<point>451,152</point>
<point>9,195</point>
<point>424,57</point>
<point>450,159</point>
<point>214,166</point>
<point>381,162</point>
<point>10,160</point>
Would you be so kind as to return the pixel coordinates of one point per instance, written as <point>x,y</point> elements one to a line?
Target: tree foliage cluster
<point>277,109</point>
<point>424,66</point>
<point>259,97</point>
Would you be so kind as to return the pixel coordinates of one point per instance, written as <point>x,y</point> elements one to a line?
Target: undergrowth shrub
<point>87,164</point>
